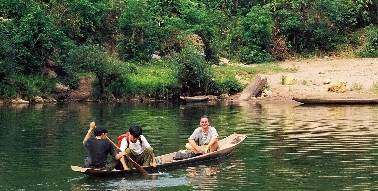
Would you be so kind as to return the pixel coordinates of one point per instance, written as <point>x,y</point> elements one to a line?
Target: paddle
<point>136,165</point>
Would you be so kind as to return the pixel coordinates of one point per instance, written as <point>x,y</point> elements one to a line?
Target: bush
<point>7,56</point>
<point>8,90</point>
<point>28,86</point>
<point>194,74</point>
<point>226,85</point>
<point>95,60</point>
<point>371,48</point>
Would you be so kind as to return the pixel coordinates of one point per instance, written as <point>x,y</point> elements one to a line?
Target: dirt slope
<point>361,76</point>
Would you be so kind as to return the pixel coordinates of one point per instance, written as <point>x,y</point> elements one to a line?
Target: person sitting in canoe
<point>204,139</point>
<point>98,149</point>
<point>137,147</point>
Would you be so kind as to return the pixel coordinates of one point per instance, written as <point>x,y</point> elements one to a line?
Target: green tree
<point>7,63</point>
<point>256,30</point>
<point>82,20</point>
<point>140,31</point>
<point>90,58</point>
<point>33,42</point>
<point>203,22</point>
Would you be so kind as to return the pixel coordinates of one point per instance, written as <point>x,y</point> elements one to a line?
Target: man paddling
<point>99,148</point>
<point>204,139</point>
<point>137,147</point>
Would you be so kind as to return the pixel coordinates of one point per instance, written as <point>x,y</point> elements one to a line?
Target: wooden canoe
<point>336,101</point>
<point>195,98</point>
<point>226,146</point>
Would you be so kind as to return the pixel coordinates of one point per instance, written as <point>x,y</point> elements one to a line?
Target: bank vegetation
<point>164,49</point>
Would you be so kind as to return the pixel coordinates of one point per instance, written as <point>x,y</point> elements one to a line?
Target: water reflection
<point>134,182</point>
<point>205,177</point>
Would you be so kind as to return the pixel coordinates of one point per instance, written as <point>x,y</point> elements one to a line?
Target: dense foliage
<point>114,39</point>
<point>194,73</point>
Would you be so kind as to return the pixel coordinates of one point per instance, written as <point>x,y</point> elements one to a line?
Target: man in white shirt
<point>204,139</point>
<point>137,147</point>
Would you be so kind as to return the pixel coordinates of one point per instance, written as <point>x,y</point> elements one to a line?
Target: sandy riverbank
<point>361,76</point>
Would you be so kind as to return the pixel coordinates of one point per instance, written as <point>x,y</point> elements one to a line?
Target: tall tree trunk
<point>208,50</point>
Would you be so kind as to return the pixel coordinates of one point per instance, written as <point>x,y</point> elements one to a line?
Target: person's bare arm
<point>119,155</point>
<point>92,125</point>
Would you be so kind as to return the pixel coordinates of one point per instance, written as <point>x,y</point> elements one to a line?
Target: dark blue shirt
<point>98,150</point>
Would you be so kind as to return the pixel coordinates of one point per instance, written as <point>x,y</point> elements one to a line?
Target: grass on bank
<point>158,79</point>
<point>374,88</point>
<point>155,80</point>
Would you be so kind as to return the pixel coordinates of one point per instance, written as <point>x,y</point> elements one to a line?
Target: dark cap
<point>99,130</point>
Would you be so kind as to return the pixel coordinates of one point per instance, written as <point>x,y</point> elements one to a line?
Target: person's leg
<point>123,163</point>
<point>87,162</point>
<point>214,146</point>
<point>132,156</point>
<point>148,158</point>
<point>189,147</point>
<point>144,159</point>
<point>119,165</point>
<point>112,164</point>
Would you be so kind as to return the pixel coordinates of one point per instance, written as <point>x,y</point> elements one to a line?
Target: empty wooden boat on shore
<point>337,101</point>
<point>195,98</point>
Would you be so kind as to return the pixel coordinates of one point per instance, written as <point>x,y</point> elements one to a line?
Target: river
<point>289,146</point>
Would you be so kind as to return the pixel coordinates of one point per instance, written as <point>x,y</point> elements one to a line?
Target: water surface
<point>289,146</point>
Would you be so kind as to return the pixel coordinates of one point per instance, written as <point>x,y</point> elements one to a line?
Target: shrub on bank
<point>193,72</point>
<point>226,84</point>
<point>28,86</point>
<point>371,47</point>
<point>166,79</point>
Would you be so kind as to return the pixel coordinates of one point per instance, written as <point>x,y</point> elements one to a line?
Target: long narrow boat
<point>226,146</point>
<point>195,98</point>
<point>336,101</point>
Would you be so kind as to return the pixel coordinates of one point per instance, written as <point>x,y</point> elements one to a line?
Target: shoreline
<point>360,75</point>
